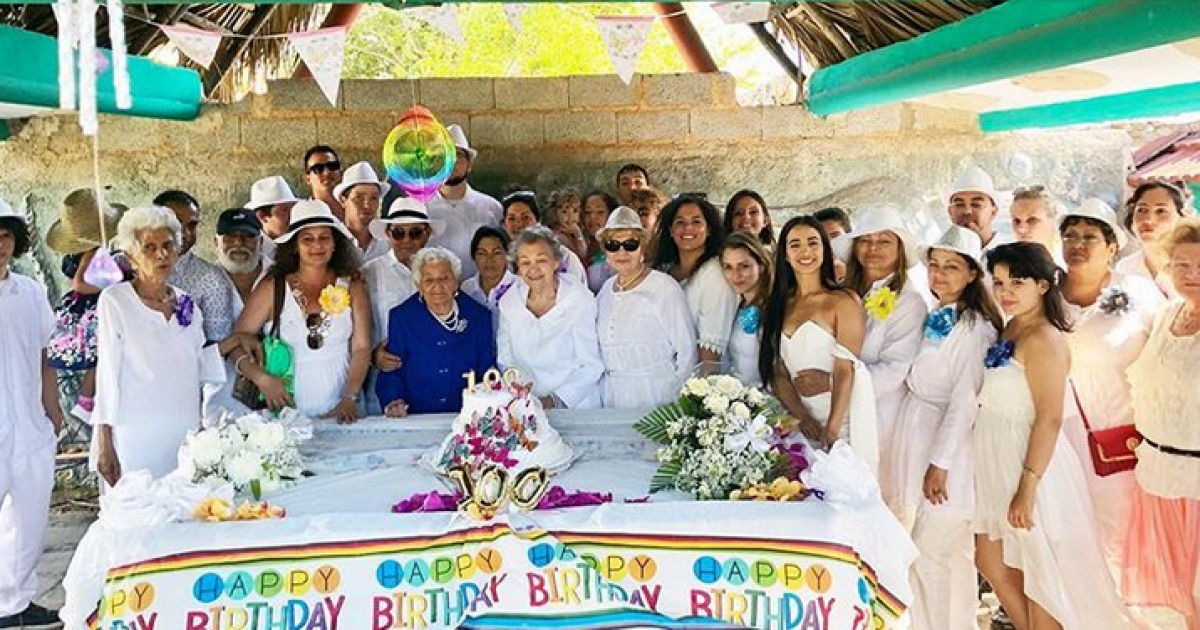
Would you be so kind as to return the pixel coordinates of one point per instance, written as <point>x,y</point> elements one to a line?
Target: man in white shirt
<point>322,173</point>
<point>461,208</point>
<point>30,420</point>
<point>973,206</point>
<point>271,201</point>
<point>361,193</point>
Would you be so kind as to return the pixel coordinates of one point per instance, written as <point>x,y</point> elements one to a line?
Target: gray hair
<point>537,234</point>
<point>143,219</point>
<point>434,255</point>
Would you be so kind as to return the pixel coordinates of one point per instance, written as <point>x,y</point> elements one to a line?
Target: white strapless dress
<point>1061,557</point>
<point>812,347</point>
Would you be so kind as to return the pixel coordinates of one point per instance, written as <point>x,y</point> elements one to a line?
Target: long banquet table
<point>341,559</point>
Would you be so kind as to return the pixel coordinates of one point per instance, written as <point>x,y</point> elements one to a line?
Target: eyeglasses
<point>321,167</point>
<point>412,233</point>
<point>1089,239</point>
<point>629,244</point>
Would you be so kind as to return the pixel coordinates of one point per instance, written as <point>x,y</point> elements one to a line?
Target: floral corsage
<point>1114,301</point>
<point>185,310</point>
<point>1000,354</point>
<point>334,299</point>
<point>940,322</point>
<point>880,303</point>
<point>750,319</point>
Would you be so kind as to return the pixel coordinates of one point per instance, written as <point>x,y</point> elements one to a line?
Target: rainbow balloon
<point>419,154</point>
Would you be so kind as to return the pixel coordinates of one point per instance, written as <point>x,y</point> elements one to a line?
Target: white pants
<point>26,481</point>
<point>945,593</point>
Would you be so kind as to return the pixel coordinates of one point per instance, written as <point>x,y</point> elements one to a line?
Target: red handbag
<point>1112,449</point>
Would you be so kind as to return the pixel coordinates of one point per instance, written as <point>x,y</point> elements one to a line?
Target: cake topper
<point>485,494</point>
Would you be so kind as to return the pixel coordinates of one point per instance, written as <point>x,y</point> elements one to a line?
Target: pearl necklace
<point>452,322</point>
<point>623,287</point>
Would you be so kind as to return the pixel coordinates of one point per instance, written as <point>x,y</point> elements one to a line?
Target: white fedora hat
<point>312,213</point>
<point>7,211</point>
<point>1097,210</point>
<point>622,218</point>
<point>360,173</point>
<point>270,191</point>
<point>460,140</point>
<point>959,240</point>
<point>882,218</point>
<point>973,179</point>
<point>404,211</point>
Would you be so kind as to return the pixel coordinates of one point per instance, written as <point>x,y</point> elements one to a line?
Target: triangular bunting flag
<point>513,13</point>
<point>444,18</point>
<point>742,12</point>
<point>323,51</point>
<point>624,36</point>
<point>198,45</point>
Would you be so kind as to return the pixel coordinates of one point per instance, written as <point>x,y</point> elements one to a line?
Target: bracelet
<point>1029,471</point>
<point>237,365</point>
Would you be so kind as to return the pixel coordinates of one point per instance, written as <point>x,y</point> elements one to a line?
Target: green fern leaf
<point>664,477</point>
<point>654,425</point>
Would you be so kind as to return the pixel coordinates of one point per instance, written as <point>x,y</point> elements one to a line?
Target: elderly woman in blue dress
<point>439,334</point>
<point>548,326</point>
<point>647,338</point>
<point>153,357</point>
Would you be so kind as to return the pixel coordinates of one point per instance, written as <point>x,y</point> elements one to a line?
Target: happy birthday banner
<point>493,577</point>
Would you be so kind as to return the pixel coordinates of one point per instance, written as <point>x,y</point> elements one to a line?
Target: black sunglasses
<point>630,245</point>
<point>321,167</point>
<point>412,233</point>
<point>315,338</point>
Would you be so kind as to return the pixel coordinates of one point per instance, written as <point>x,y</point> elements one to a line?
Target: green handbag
<point>277,360</point>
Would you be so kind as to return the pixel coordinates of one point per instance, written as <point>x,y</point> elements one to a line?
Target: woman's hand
<point>251,345</point>
<point>107,464</point>
<point>383,360</point>
<point>396,409</point>
<point>935,485</point>
<point>1020,509</point>
<point>812,382</point>
<point>274,391</point>
<point>828,437</point>
<point>346,412</point>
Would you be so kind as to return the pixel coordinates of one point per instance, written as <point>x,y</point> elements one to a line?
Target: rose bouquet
<point>251,452</point>
<point>719,437</point>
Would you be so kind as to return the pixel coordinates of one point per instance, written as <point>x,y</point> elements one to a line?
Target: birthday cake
<point>502,423</point>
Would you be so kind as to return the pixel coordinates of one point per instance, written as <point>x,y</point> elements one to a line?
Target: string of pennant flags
<point>323,50</point>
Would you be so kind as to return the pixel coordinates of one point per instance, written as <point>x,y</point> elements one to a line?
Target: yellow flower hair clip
<point>334,299</point>
<point>880,303</point>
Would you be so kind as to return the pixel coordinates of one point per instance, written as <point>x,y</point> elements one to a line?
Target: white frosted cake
<point>503,424</point>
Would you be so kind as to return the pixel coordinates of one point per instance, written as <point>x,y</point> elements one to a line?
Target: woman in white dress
<point>325,317</point>
<point>879,256</point>
<point>646,335</point>
<point>934,460</point>
<point>747,268</point>
<point>1037,541</point>
<point>687,241</point>
<point>548,326</point>
<point>1162,561</point>
<point>811,324</point>
<point>153,357</point>
<point>1150,213</point>
<point>1111,313</point>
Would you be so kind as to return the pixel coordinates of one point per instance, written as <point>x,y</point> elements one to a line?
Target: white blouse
<point>558,351</point>
<point>389,283</point>
<point>148,379</point>
<point>743,349</point>
<point>713,305</point>
<point>28,324</point>
<point>647,341</point>
<point>889,348</point>
<point>1135,265</point>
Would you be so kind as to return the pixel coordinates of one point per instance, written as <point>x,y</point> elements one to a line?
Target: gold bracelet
<point>1033,474</point>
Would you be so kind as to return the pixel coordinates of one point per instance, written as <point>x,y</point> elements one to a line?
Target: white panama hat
<point>621,218</point>
<point>360,173</point>
<point>7,211</point>
<point>404,211</point>
<point>312,213</point>
<point>973,179</point>
<point>460,140</point>
<point>270,191</point>
<point>959,240</point>
<point>881,218</point>
<point>1097,210</point>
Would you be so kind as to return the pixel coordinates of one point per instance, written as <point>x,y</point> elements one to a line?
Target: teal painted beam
<point>5,130</point>
<point>158,91</point>
<point>1170,100</point>
<point>1012,39</point>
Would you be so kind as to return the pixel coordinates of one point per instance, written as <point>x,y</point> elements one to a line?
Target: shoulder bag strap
<point>1082,414</point>
<point>277,308</point>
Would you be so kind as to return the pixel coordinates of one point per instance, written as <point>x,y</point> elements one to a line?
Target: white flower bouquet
<point>252,452</point>
<point>720,436</point>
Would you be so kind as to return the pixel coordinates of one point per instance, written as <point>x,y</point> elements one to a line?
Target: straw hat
<point>1097,210</point>
<point>460,140</point>
<point>312,213</point>
<point>404,211</point>
<point>270,191</point>
<point>77,229</point>
<point>622,218</point>
<point>885,218</point>
<point>959,240</point>
<point>360,173</point>
<point>973,179</point>
<point>8,212</point>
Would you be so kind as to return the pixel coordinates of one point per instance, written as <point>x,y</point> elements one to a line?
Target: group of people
<point>1027,406</point>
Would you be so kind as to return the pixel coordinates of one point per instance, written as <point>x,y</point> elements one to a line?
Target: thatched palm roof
<point>826,32</point>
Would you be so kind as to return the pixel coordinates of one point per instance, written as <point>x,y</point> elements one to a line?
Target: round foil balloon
<point>419,154</point>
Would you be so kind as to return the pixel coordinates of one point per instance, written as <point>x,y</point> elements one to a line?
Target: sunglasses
<point>315,338</point>
<point>412,233</point>
<point>317,169</point>
<point>630,245</point>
